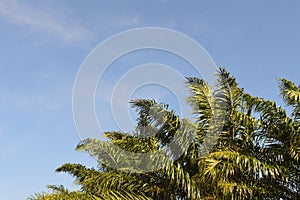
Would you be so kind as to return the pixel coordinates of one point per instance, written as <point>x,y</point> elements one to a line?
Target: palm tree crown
<point>243,147</point>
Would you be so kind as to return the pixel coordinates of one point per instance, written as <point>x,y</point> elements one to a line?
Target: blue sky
<point>43,44</point>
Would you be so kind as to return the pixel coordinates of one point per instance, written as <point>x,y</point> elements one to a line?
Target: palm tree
<point>243,147</point>
<point>255,157</point>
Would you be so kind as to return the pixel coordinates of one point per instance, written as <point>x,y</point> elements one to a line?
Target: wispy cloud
<point>36,102</point>
<point>127,21</point>
<point>53,23</point>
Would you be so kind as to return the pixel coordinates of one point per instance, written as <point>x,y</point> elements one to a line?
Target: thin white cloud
<point>52,23</point>
<point>127,21</point>
<point>51,99</point>
<point>39,102</point>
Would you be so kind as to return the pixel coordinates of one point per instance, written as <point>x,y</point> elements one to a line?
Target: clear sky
<point>43,44</point>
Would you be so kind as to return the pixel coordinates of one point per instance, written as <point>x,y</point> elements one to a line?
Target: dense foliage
<point>254,154</point>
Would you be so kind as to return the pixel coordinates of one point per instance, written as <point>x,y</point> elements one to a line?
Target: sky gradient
<point>43,44</point>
